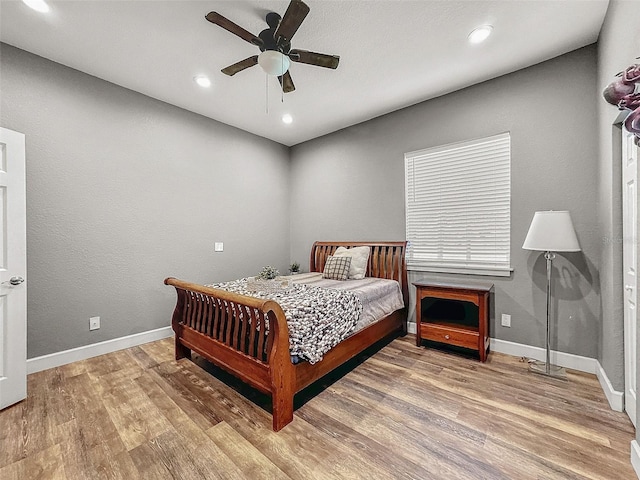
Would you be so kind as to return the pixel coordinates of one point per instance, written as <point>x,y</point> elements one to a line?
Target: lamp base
<point>554,370</point>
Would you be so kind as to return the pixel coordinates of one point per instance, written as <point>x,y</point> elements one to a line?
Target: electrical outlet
<point>218,247</point>
<point>506,320</point>
<point>94,323</point>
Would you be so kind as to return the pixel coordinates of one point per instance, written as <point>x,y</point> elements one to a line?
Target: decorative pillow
<point>359,260</point>
<point>337,268</point>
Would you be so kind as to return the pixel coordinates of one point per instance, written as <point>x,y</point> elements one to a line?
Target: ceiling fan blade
<point>287,82</point>
<point>293,17</point>
<point>241,65</point>
<point>312,58</point>
<point>228,25</point>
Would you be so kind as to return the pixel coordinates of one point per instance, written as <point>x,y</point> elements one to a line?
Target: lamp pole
<point>536,367</point>
<point>549,256</point>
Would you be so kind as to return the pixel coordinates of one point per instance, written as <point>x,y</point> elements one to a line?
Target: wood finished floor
<point>402,413</point>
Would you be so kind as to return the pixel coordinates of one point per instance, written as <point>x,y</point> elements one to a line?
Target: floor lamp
<point>550,232</point>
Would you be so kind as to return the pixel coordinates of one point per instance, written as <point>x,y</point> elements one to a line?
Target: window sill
<point>464,271</point>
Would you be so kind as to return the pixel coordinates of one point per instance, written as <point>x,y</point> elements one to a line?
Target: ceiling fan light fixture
<point>273,62</point>
<point>480,34</point>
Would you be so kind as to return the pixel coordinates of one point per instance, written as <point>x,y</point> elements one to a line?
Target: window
<point>458,207</point>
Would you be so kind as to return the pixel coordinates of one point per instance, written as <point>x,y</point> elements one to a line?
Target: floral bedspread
<point>318,318</point>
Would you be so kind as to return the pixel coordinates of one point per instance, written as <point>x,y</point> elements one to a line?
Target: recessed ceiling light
<point>480,34</point>
<point>202,80</point>
<point>37,5</point>
<point>287,118</point>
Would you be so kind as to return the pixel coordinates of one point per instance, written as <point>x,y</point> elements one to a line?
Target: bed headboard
<point>386,260</point>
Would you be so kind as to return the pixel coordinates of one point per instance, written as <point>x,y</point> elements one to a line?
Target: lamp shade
<point>552,231</point>
<point>273,62</point>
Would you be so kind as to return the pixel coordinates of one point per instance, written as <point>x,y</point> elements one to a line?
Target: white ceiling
<point>393,53</point>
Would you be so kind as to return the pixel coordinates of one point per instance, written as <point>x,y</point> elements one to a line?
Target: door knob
<point>16,280</point>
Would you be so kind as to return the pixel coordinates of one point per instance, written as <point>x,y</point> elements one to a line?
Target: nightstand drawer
<point>450,335</point>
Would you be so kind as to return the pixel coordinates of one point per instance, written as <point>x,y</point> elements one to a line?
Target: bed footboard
<point>246,336</point>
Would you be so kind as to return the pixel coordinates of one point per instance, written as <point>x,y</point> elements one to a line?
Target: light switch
<point>218,247</point>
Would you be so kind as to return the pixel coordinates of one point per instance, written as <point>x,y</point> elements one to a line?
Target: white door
<point>13,269</point>
<point>630,264</point>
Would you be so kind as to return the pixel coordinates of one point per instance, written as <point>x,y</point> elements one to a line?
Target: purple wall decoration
<point>625,93</point>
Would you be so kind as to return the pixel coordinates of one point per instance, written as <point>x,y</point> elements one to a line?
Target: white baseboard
<point>52,360</point>
<point>567,360</point>
<point>411,327</point>
<point>635,457</point>
<point>616,398</point>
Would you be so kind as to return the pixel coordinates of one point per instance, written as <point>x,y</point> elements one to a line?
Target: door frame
<point>630,241</point>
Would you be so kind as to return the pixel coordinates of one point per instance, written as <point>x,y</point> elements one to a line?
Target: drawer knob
<point>447,337</point>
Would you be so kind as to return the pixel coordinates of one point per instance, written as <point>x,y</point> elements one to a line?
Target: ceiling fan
<point>275,45</point>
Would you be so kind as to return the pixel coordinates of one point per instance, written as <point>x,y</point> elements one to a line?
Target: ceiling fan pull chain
<point>266,83</point>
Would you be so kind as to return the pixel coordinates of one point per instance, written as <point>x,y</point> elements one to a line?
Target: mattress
<point>380,297</point>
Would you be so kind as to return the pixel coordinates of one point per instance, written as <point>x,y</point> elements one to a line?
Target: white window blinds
<point>458,207</point>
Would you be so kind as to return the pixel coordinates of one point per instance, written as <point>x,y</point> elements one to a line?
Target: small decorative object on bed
<point>258,338</point>
<point>294,268</point>
<point>268,273</point>
<point>625,94</point>
<point>267,281</point>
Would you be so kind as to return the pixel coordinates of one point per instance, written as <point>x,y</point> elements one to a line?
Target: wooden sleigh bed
<point>228,329</point>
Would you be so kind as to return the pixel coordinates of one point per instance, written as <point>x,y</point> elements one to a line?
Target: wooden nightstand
<point>454,313</point>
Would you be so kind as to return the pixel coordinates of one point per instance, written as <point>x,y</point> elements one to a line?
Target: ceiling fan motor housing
<point>273,20</point>
<point>269,42</point>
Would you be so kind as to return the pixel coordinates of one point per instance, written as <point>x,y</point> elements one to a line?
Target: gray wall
<point>618,47</point>
<point>123,191</point>
<point>350,185</point>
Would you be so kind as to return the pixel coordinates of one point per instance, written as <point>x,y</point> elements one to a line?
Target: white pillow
<point>359,260</point>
